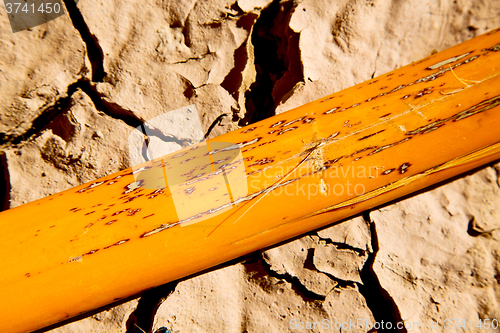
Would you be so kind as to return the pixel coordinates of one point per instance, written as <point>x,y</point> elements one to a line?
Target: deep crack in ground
<point>46,117</point>
<point>297,286</point>
<point>94,50</point>
<point>4,183</point>
<point>277,56</point>
<point>43,119</point>
<point>341,246</point>
<point>380,303</point>
<point>142,319</point>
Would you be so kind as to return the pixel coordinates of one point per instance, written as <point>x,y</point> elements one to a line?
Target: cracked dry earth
<point>72,89</point>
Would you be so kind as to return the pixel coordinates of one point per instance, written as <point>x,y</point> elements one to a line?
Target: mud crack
<point>277,61</point>
<point>46,117</point>
<point>142,319</point>
<point>111,109</point>
<point>239,79</point>
<point>217,121</point>
<point>297,286</point>
<point>380,303</point>
<point>43,119</point>
<point>94,50</point>
<point>341,246</point>
<point>4,183</point>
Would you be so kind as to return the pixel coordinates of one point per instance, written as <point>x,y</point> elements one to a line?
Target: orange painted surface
<point>356,149</point>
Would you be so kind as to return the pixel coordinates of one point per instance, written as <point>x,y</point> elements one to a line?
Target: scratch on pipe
<point>163,227</point>
<point>461,160</point>
<point>463,81</point>
<point>322,187</point>
<point>402,182</point>
<point>311,151</point>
